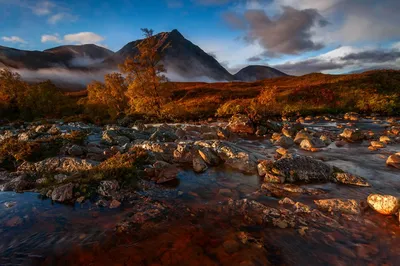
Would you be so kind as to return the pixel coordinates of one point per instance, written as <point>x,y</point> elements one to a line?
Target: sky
<point>295,36</point>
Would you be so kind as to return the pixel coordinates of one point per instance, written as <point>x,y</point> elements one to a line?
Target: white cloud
<point>13,39</point>
<point>54,19</point>
<point>75,38</point>
<point>83,38</point>
<point>51,38</point>
<point>43,8</point>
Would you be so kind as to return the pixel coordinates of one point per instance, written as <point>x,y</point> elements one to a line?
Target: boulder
<point>163,136</point>
<point>209,156</point>
<point>352,116</point>
<point>63,193</point>
<point>295,168</point>
<point>352,134</point>
<point>302,135</point>
<point>349,179</point>
<point>326,140</point>
<point>284,142</point>
<point>241,124</point>
<point>349,206</point>
<point>263,167</point>
<point>75,150</point>
<point>312,144</point>
<point>384,204</point>
<point>378,144</point>
<point>164,172</point>
<point>385,139</point>
<point>199,165</point>
<point>394,160</point>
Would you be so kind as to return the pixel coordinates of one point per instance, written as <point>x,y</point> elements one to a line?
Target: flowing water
<point>192,227</point>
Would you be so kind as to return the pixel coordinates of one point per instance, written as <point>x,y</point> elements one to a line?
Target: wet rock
<point>282,151</point>
<point>352,134</point>
<point>349,179</point>
<point>75,150</point>
<point>284,142</point>
<point>340,143</point>
<point>394,160</point>
<point>60,178</point>
<point>108,188</point>
<point>261,131</point>
<point>237,157</point>
<point>301,207</point>
<point>163,136</point>
<point>165,172</point>
<point>384,204</point>
<point>10,204</point>
<point>378,144</point>
<point>209,156</point>
<point>285,190</point>
<point>263,167</point>
<point>17,181</point>
<point>59,164</point>
<point>63,193</point>
<point>287,200</point>
<point>222,133</point>
<point>80,199</point>
<point>349,206</point>
<point>352,116</point>
<point>183,153</point>
<point>289,132</point>
<point>302,135</point>
<point>313,144</point>
<point>241,124</point>
<point>199,165</point>
<point>326,140</point>
<point>114,204</point>
<point>300,168</point>
<point>41,128</point>
<point>161,151</point>
<point>385,139</point>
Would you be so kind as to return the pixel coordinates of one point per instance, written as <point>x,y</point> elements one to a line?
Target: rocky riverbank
<point>136,165</point>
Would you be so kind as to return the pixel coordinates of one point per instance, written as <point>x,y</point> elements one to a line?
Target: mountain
<point>81,55</point>
<point>68,56</point>
<point>182,59</point>
<point>257,72</point>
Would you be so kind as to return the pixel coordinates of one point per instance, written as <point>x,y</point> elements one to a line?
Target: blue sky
<point>297,36</point>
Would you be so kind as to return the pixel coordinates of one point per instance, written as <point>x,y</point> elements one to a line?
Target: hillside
<point>257,72</point>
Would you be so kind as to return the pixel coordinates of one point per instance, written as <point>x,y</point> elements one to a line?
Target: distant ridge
<point>257,72</point>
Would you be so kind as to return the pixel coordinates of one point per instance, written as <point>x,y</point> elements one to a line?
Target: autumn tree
<point>148,87</point>
<point>11,86</point>
<point>108,97</point>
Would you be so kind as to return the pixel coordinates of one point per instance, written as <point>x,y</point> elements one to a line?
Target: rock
<point>10,204</point>
<point>163,136</point>
<point>108,188</point>
<point>394,160</point>
<point>41,129</point>
<point>349,206</point>
<point>209,156</point>
<point>384,204</point>
<point>283,190</point>
<point>261,131</point>
<point>301,207</point>
<point>300,168</point>
<point>60,177</point>
<point>287,201</point>
<point>199,165</point>
<point>352,134</point>
<point>122,140</point>
<point>282,151</point>
<point>351,116</point>
<point>75,150</point>
<point>349,179</point>
<point>378,144</point>
<point>284,142</point>
<point>340,143</point>
<point>263,167</point>
<point>16,181</point>
<point>289,132</point>
<point>241,124</point>
<point>165,172</point>
<point>114,204</point>
<point>312,144</point>
<point>63,193</point>
<point>183,153</point>
<point>385,139</point>
<point>161,151</point>
<point>58,164</point>
<point>302,135</point>
<point>222,133</point>
<point>327,141</point>
<point>94,149</point>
